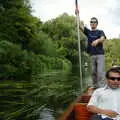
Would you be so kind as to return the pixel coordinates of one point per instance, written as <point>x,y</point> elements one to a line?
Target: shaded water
<point>43,99</point>
<point>72,79</point>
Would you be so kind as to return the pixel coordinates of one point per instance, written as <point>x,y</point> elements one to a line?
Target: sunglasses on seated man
<point>114,78</point>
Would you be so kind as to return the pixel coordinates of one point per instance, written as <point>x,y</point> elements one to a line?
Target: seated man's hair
<point>115,69</point>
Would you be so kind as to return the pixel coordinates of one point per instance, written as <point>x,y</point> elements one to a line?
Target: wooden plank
<point>84,98</point>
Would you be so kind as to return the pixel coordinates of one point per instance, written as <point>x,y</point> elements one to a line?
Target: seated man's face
<point>113,80</point>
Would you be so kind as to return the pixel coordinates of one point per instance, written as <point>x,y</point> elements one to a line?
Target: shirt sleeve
<point>102,34</point>
<point>86,30</point>
<point>94,98</point>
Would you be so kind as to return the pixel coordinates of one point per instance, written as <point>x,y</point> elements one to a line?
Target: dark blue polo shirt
<point>92,36</point>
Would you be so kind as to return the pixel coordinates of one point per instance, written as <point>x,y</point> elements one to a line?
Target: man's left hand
<point>94,43</point>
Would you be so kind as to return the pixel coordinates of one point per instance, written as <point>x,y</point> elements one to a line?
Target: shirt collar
<point>107,87</point>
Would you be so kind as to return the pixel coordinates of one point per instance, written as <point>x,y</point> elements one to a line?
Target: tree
<point>112,48</point>
<point>63,32</point>
<point>16,22</point>
<point>15,64</point>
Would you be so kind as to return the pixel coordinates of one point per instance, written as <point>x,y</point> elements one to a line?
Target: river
<point>41,100</point>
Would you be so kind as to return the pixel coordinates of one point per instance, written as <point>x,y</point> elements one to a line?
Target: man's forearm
<point>97,41</point>
<point>101,39</point>
<point>100,111</point>
<point>94,109</point>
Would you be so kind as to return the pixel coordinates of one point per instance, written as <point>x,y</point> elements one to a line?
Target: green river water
<point>41,100</point>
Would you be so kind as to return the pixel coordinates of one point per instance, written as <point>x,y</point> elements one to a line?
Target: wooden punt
<point>78,110</point>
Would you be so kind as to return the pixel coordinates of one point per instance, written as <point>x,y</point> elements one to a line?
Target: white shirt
<point>106,98</point>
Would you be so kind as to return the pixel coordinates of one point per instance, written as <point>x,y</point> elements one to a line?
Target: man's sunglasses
<point>114,78</point>
<point>93,21</point>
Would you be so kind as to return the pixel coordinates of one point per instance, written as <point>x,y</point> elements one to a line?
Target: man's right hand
<point>110,113</point>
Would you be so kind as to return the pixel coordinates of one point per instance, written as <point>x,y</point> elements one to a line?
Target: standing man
<point>95,49</point>
<point>105,102</point>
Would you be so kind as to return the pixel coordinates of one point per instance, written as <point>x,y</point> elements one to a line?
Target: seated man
<point>105,102</point>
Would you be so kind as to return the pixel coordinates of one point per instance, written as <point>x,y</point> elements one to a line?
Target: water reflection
<point>47,114</point>
<point>42,99</point>
<point>70,89</point>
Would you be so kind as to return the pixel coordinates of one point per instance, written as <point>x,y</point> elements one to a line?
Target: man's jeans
<point>98,117</point>
<point>98,74</point>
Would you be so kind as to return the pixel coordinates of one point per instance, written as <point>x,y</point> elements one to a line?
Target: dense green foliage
<point>15,63</point>
<point>112,49</point>
<point>16,22</point>
<point>63,32</point>
<point>27,43</point>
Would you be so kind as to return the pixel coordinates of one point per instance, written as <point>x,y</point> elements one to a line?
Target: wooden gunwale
<point>69,113</point>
